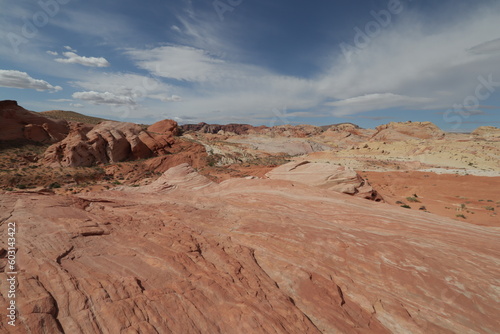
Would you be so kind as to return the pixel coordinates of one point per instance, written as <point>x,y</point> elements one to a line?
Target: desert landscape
<point>115,227</point>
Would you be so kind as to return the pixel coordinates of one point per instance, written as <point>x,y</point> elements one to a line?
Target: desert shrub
<point>406,206</point>
<point>489,208</point>
<point>54,185</point>
<point>21,186</point>
<point>461,216</point>
<point>413,199</point>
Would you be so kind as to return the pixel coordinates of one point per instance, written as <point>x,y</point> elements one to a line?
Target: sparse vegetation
<point>406,206</point>
<point>413,199</point>
<point>54,185</point>
<point>461,216</point>
<point>489,208</point>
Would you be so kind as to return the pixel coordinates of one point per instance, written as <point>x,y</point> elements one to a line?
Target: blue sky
<point>256,61</point>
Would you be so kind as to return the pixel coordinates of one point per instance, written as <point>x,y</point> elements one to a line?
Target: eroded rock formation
<point>408,130</point>
<point>18,123</point>
<point>245,256</point>
<point>110,142</point>
<point>326,176</point>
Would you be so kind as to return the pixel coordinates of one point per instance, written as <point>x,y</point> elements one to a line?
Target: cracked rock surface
<point>185,255</point>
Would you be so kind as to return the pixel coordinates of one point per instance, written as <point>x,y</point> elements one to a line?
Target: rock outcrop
<point>110,142</point>
<point>326,176</point>
<point>18,123</point>
<point>244,256</point>
<point>239,129</point>
<point>489,133</point>
<point>183,176</point>
<point>166,126</point>
<point>295,131</point>
<point>408,130</point>
<point>290,131</point>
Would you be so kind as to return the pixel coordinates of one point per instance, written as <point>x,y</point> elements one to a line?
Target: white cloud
<point>421,68</point>
<point>60,100</point>
<point>73,58</point>
<point>52,53</point>
<point>179,62</point>
<point>217,84</point>
<point>136,87</point>
<point>103,98</point>
<point>76,105</point>
<point>17,79</point>
<point>166,98</point>
<point>69,48</point>
<point>408,66</point>
<point>375,102</point>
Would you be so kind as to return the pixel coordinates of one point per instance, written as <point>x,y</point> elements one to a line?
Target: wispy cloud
<point>411,66</point>
<point>17,79</point>
<point>133,86</point>
<point>180,63</point>
<point>486,47</point>
<point>376,102</point>
<point>218,84</point>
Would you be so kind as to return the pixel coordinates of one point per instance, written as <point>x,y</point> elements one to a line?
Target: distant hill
<point>72,116</point>
<point>326,127</point>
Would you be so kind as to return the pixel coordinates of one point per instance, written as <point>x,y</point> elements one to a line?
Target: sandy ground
<point>477,198</point>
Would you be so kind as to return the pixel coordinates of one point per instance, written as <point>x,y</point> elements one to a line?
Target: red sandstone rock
<point>325,176</point>
<point>409,130</point>
<point>165,126</point>
<point>108,142</point>
<point>19,123</point>
<point>245,256</point>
